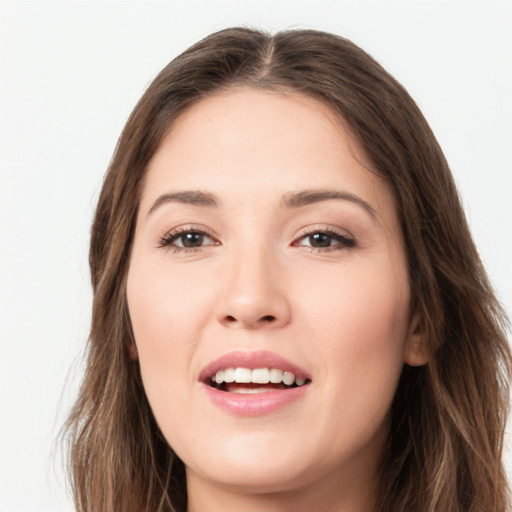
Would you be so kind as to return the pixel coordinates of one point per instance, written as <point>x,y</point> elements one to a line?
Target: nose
<point>255,294</point>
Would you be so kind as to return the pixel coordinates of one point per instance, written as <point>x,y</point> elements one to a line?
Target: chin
<point>244,477</point>
<point>254,460</point>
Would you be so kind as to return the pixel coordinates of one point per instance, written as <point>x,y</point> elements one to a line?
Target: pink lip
<point>252,404</point>
<point>257,404</point>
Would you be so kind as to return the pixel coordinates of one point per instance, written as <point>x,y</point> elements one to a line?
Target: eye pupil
<point>320,240</point>
<point>192,240</point>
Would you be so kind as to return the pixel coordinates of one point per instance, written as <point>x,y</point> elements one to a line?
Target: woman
<point>289,311</point>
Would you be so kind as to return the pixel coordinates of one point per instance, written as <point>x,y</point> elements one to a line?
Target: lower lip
<point>255,404</point>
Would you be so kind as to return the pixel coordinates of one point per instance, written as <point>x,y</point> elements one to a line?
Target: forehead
<point>245,139</point>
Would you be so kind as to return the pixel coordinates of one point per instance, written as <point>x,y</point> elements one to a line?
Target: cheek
<point>166,309</point>
<point>363,317</point>
<point>167,316</point>
<point>356,295</point>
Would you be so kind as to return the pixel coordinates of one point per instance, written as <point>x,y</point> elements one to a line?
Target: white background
<point>70,74</point>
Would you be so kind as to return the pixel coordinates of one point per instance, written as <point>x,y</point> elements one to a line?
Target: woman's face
<point>263,243</point>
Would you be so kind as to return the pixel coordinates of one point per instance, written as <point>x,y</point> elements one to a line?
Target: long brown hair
<point>444,447</point>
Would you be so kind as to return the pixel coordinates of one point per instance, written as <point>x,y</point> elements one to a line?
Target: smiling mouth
<point>259,380</point>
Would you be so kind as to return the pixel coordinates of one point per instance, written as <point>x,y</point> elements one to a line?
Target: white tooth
<point>229,375</point>
<point>214,379</point>
<point>300,381</point>
<point>288,378</point>
<point>276,376</point>
<point>243,375</point>
<point>261,376</point>
<point>219,377</point>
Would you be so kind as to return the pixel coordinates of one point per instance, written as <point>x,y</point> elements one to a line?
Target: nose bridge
<point>254,296</point>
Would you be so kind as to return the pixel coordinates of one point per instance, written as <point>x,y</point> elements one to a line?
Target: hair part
<point>444,446</point>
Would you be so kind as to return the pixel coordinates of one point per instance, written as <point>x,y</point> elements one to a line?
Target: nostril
<point>249,321</point>
<point>266,318</point>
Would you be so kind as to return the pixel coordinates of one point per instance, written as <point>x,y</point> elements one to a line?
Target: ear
<point>417,352</point>
<point>134,354</point>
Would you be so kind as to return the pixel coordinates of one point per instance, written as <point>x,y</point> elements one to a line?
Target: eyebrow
<point>290,200</point>
<point>193,197</point>
<point>307,197</point>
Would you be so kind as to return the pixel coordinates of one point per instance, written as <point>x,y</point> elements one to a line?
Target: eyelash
<point>173,235</point>
<point>345,241</point>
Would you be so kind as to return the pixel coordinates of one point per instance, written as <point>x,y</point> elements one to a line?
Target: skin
<point>255,282</point>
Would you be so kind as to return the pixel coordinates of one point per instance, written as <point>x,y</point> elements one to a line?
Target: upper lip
<point>251,360</point>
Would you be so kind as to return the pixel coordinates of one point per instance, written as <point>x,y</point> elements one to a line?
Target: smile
<point>253,383</point>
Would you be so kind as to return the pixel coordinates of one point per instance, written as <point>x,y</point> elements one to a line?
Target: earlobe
<point>417,351</point>
<point>134,353</point>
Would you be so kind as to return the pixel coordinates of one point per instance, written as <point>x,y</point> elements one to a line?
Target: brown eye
<point>320,240</point>
<point>326,240</point>
<point>191,240</point>
<point>186,240</point>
